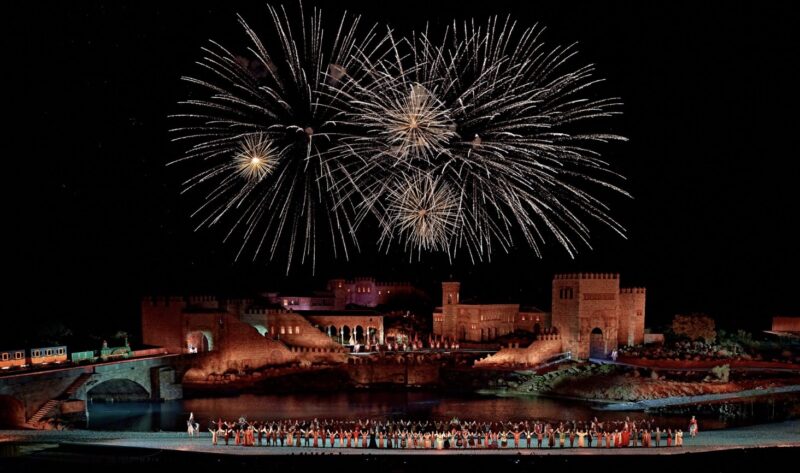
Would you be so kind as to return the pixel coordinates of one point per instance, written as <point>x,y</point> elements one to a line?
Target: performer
<point>693,427</point>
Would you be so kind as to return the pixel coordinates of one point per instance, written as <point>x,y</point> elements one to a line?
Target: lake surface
<point>172,415</point>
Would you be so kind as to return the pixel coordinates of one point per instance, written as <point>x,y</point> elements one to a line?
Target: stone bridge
<point>34,397</point>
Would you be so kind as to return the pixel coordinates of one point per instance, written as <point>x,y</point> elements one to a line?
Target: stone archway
<point>118,390</point>
<point>12,412</point>
<point>372,335</point>
<point>597,344</point>
<point>200,341</point>
<point>333,333</point>
<point>462,332</point>
<point>346,335</point>
<point>359,334</point>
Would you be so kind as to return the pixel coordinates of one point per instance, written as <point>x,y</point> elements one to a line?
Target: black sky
<point>709,90</point>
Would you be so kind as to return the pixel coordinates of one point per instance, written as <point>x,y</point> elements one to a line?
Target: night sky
<point>96,218</point>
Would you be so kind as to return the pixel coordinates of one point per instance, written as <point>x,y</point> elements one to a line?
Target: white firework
<point>267,109</point>
<point>422,212</point>
<point>515,131</point>
<point>257,158</point>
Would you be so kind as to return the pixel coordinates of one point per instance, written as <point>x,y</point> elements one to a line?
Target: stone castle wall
<point>544,347</point>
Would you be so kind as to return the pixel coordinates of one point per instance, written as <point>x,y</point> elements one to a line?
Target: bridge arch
<point>12,412</point>
<point>117,390</point>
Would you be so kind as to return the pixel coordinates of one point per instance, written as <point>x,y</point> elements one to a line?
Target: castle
<point>591,316</point>
<point>590,313</point>
<point>325,320</point>
<point>339,293</point>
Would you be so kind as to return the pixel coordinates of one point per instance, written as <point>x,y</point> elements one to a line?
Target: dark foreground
<point>116,459</point>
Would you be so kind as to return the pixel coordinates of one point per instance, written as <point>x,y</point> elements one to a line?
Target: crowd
<point>407,434</point>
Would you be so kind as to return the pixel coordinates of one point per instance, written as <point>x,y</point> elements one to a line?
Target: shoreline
<point>644,404</point>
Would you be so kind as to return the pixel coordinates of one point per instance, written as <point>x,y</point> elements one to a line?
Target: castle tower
<point>339,289</point>
<point>450,300</point>
<point>586,312</point>
<point>631,315</point>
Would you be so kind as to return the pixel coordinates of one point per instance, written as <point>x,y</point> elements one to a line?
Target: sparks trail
<point>493,114</point>
<point>261,131</point>
<point>465,140</point>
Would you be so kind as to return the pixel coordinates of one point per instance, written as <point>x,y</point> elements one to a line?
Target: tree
<point>695,327</point>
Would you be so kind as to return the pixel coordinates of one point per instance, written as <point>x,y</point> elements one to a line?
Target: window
<point>5,356</point>
<point>283,330</point>
<point>290,330</point>
<point>565,293</point>
<point>285,302</point>
<point>60,351</point>
<point>18,355</point>
<point>297,329</point>
<point>34,352</point>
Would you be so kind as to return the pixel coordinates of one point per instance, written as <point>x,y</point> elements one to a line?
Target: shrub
<point>722,372</point>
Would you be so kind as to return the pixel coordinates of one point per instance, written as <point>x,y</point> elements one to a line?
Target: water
<point>172,415</point>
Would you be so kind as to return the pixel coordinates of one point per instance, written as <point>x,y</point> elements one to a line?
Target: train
<point>34,356</point>
<point>17,359</point>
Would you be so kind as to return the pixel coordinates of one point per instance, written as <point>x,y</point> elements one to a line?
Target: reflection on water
<point>172,415</point>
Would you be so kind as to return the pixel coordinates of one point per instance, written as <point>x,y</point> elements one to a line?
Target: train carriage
<point>41,356</point>
<point>12,359</point>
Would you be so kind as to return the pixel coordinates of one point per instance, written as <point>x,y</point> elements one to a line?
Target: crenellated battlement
<point>259,310</point>
<point>155,301</point>
<point>548,336</point>
<point>587,276</point>
<point>633,290</point>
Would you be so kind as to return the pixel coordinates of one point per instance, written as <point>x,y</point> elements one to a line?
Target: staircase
<point>70,391</point>
<point>50,405</point>
<point>43,411</point>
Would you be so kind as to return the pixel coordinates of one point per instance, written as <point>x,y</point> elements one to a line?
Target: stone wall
<point>404,373</point>
<point>631,316</point>
<point>241,347</point>
<point>536,353</point>
<point>12,412</point>
<point>653,338</point>
<point>786,324</point>
<point>161,322</point>
<point>35,389</point>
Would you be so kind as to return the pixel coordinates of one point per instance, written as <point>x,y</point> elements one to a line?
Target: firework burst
<point>257,158</point>
<point>465,141</point>
<point>261,128</point>
<point>504,122</point>
<point>422,212</point>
